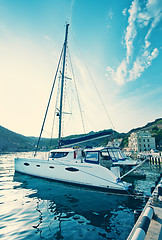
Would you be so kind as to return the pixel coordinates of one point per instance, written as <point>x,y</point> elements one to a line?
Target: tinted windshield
<point>92,156</point>
<point>58,154</point>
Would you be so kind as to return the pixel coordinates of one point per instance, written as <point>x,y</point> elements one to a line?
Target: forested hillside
<point>154,127</point>
<point>11,141</point>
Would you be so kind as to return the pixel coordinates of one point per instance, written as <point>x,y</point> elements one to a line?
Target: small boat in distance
<point>90,167</point>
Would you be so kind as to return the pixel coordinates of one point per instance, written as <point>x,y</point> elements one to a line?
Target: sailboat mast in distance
<point>62,85</point>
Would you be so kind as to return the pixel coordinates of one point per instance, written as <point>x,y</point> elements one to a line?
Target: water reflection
<point>69,212</point>
<point>34,208</point>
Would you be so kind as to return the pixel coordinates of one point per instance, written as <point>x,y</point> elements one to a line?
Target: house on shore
<point>141,141</point>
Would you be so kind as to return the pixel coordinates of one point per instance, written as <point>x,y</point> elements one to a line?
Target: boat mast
<point>62,85</point>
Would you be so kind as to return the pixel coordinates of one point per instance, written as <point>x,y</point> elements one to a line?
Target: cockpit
<point>104,156</point>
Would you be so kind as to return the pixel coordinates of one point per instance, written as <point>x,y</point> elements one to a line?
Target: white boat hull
<point>92,175</point>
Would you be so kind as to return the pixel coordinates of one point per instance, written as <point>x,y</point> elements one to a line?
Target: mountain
<point>12,142</point>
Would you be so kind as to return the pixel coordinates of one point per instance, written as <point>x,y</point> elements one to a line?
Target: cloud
<point>136,61</point>
<point>109,18</point>
<point>120,74</point>
<point>152,15</point>
<point>124,12</point>
<point>131,29</point>
<point>142,63</point>
<point>47,37</point>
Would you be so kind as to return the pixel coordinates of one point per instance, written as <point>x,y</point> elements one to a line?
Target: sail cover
<point>92,136</point>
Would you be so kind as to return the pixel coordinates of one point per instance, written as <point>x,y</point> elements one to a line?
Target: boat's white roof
<point>63,150</point>
<point>94,149</point>
<point>99,149</point>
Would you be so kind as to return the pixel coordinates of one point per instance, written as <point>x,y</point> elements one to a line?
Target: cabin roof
<point>97,149</point>
<point>63,150</point>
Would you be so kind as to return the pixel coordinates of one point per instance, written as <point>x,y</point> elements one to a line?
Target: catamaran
<point>88,167</point>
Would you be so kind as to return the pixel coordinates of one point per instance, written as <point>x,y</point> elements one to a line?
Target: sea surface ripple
<point>34,208</point>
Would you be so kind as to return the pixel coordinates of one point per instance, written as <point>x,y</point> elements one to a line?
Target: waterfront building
<point>141,141</point>
<point>114,143</point>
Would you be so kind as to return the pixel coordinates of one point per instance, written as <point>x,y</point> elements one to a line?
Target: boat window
<point>26,164</point>
<point>71,169</point>
<point>92,157</point>
<point>51,167</point>
<point>58,154</point>
<point>38,165</point>
<point>116,154</point>
<point>111,152</point>
<point>121,154</point>
<point>105,155</point>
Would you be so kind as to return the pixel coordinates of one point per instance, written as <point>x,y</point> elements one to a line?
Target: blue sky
<point>121,45</point>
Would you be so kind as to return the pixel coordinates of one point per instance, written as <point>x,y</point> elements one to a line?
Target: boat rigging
<point>91,168</point>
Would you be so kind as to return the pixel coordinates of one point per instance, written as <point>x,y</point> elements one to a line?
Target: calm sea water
<point>34,208</point>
